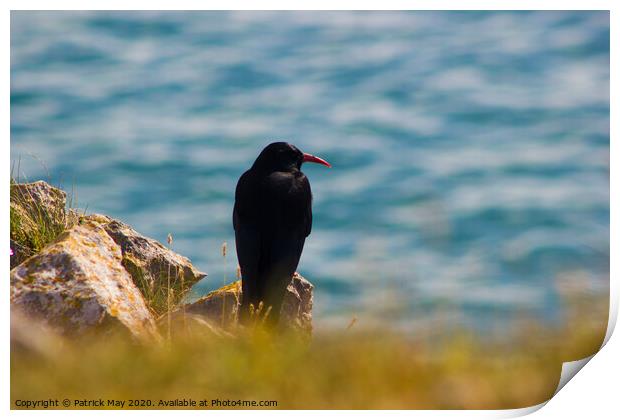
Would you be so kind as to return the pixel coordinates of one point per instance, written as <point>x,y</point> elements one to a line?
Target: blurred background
<point>470,150</point>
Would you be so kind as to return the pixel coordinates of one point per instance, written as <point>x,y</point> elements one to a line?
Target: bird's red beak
<point>314,159</point>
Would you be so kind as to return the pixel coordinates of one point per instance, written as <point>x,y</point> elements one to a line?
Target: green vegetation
<point>32,225</point>
<point>158,298</point>
<point>36,221</point>
<point>339,369</point>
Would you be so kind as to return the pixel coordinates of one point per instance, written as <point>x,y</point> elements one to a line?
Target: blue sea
<point>470,150</point>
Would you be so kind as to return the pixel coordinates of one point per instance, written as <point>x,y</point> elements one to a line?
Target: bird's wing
<point>248,244</point>
<point>307,208</point>
<point>247,237</point>
<point>288,199</point>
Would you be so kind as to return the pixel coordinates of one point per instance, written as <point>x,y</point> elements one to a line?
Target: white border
<point>593,394</point>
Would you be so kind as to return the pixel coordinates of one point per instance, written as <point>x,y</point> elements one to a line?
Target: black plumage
<point>272,218</point>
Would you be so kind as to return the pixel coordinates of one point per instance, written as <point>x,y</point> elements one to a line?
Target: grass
<point>163,294</point>
<point>32,226</point>
<point>354,368</point>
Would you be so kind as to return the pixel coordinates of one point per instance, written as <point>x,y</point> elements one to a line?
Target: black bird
<point>272,218</point>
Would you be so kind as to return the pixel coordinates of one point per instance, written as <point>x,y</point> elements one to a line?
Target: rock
<point>222,305</point>
<point>39,198</point>
<point>297,306</point>
<point>78,284</point>
<point>19,254</point>
<point>150,263</point>
<point>38,215</point>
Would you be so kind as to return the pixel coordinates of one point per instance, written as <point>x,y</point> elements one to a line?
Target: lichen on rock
<point>78,284</point>
<point>156,270</point>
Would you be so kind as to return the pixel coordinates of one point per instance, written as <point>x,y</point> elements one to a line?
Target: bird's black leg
<point>275,299</point>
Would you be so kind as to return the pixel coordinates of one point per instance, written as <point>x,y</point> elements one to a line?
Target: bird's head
<point>284,157</point>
